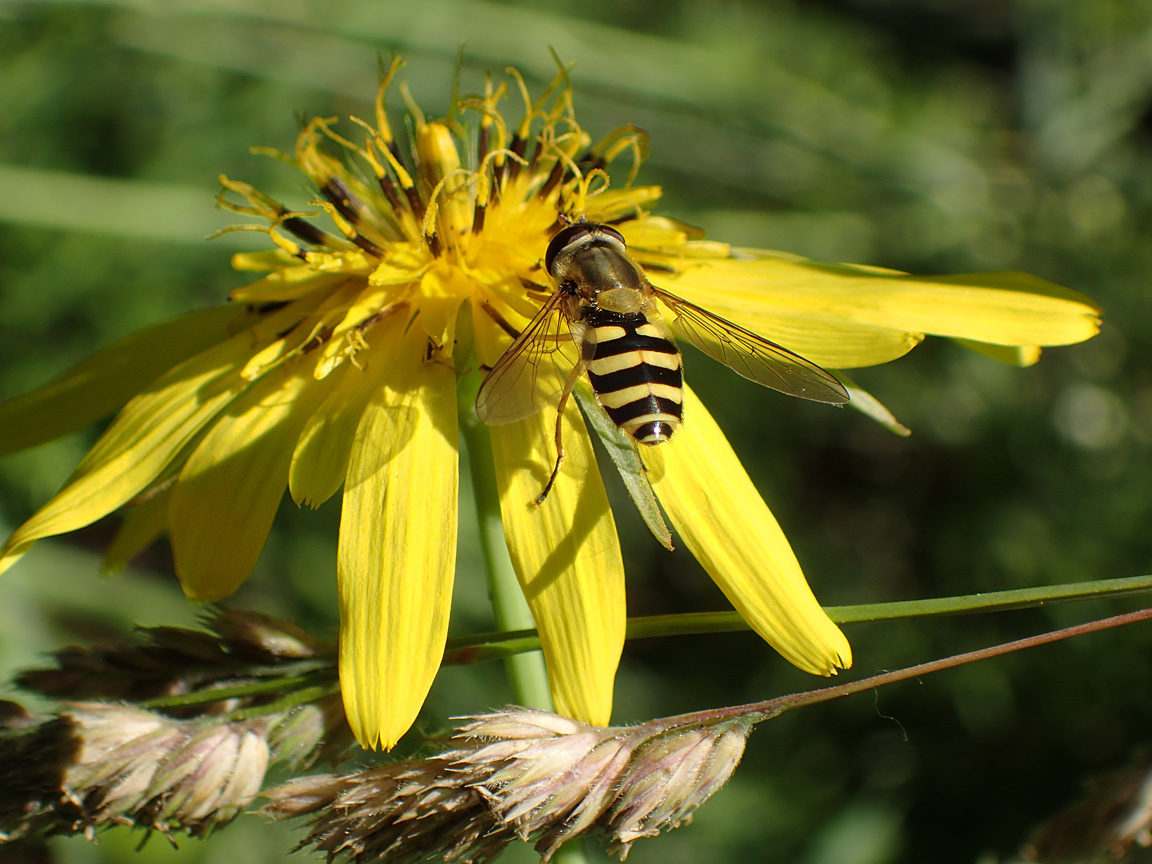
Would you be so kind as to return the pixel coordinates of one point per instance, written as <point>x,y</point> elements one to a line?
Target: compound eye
<point>565,239</point>
<point>612,232</point>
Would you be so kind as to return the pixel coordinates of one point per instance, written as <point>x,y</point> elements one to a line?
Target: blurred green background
<point>925,135</point>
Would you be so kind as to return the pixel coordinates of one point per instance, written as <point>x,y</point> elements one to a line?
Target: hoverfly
<point>616,333</point>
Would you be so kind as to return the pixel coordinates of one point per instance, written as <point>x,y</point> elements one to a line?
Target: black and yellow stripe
<point>635,372</point>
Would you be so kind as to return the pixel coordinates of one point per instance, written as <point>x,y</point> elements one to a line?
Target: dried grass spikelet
<point>97,764</point>
<point>519,774</point>
<point>140,768</point>
<point>221,707</point>
<point>1111,822</point>
<point>158,662</point>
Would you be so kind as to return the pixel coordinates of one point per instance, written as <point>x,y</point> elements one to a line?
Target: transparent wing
<point>532,372</point>
<point>749,355</point>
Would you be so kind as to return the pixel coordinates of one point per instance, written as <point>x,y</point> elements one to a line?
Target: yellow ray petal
<point>228,492</point>
<point>147,435</point>
<point>270,260</point>
<point>102,383</point>
<point>398,543</point>
<point>143,523</point>
<point>657,233</point>
<point>807,307</point>
<point>827,343</point>
<point>566,552</point>
<point>567,557</point>
<point>285,284</point>
<point>1013,355</point>
<point>320,460</point>
<point>352,318</point>
<point>323,312</point>
<point>612,204</point>
<point>725,523</point>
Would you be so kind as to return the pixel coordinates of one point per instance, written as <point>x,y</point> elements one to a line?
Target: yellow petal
<point>1013,355</point>
<point>567,557</point>
<point>151,431</point>
<point>612,204</point>
<point>442,289</point>
<point>323,311</point>
<point>398,542</point>
<point>230,488</point>
<point>269,260</point>
<point>103,382</point>
<point>808,307</point>
<point>285,284</point>
<point>999,308</point>
<point>565,552</point>
<point>320,460</point>
<point>438,162</point>
<point>657,233</point>
<point>344,327</point>
<point>828,343</point>
<point>142,524</point>
<point>725,523</point>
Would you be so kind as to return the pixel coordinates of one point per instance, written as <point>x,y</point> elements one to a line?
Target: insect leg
<point>573,377</point>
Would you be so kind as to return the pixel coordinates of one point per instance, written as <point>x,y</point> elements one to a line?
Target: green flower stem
<point>527,673</point>
<point>757,712</point>
<point>991,601</point>
<point>519,648</point>
<point>287,702</point>
<point>321,678</point>
<point>489,646</point>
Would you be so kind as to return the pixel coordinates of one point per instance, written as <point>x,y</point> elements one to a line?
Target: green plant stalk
<point>285,703</point>
<point>757,712</point>
<point>520,648</point>
<point>527,673</point>
<point>488,646</point>
<point>323,678</point>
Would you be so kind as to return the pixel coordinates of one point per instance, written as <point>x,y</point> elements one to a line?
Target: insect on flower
<point>617,334</point>
<point>336,374</point>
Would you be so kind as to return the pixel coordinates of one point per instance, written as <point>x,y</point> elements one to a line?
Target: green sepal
<point>622,450</point>
<point>871,407</point>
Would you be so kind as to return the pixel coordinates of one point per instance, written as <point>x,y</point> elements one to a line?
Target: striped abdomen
<point>635,372</point>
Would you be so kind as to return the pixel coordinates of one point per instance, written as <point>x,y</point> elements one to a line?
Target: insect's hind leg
<point>573,377</point>
<point>559,456</point>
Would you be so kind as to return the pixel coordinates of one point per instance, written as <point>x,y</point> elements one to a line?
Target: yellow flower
<point>340,366</point>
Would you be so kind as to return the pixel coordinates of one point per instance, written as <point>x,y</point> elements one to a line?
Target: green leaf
<point>622,450</point>
<point>871,407</point>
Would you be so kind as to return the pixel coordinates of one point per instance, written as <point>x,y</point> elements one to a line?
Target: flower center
<point>440,224</point>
